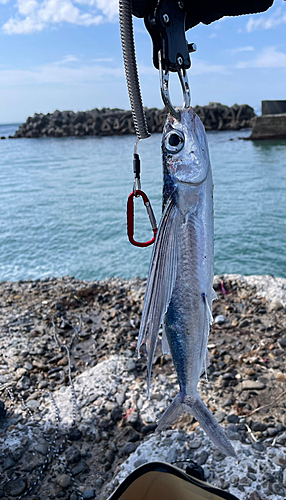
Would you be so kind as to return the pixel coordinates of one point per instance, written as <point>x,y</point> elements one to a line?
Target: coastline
<point>114,430</point>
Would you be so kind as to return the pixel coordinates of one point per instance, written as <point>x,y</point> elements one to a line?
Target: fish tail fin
<point>195,407</point>
<point>171,414</point>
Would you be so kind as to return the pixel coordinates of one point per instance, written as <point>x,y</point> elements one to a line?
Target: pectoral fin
<point>161,281</point>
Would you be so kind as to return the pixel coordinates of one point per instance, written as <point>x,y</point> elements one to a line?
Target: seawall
<point>108,122</point>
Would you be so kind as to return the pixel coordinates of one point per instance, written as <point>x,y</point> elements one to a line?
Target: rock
<point>99,482</point>
<point>258,427</point>
<point>281,439</point>
<point>79,468</point>
<point>101,421</point>
<point>110,456</point>
<point>258,446</point>
<point>232,428</point>
<point>120,398</point>
<point>251,476</point>
<point>282,342</point>
<point>8,463</point>
<point>128,448</point>
<point>275,306</point>
<point>74,434</point>
<point>280,377</point>
<point>64,481</point>
<point>278,489</point>
<point>17,453</point>
<point>224,484</point>
<point>233,436</point>
<point>234,480</point>
<point>254,495</point>
<point>140,462</point>
<point>43,384</point>
<point>219,320</point>
<point>243,323</point>
<point>116,414</point>
<point>272,431</point>
<point>252,385</point>
<point>244,481</point>
<point>24,383</point>
<point>33,404</point>
<point>118,122</point>
<point>130,365</point>
<point>41,448</point>
<point>195,443</point>
<point>15,487</point>
<point>146,429</point>
<point>73,455</point>
<point>28,366</point>
<point>227,402</point>
<point>88,494</point>
<point>207,473</point>
<point>202,457</point>
<point>109,405</point>
<point>218,455</point>
<point>232,418</point>
<point>280,461</point>
<point>20,372</point>
<point>219,416</point>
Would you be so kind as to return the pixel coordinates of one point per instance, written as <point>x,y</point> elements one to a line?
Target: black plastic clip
<point>166,25</point>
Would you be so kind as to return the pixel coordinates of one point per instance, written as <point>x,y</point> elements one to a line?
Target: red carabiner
<point>130,218</point>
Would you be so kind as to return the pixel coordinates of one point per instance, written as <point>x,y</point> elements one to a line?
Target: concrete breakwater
<point>267,127</point>
<point>108,122</point>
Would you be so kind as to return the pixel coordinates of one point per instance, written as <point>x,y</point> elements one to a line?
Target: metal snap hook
<point>164,85</point>
<point>130,218</point>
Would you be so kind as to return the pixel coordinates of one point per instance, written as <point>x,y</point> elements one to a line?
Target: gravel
<point>80,441</point>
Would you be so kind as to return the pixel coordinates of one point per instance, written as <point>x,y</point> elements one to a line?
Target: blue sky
<point>66,54</point>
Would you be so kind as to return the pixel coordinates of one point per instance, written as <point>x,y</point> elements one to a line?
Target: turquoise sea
<point>63,205</point>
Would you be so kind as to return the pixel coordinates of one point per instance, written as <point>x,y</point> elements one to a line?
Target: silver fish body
<point>179,291</point>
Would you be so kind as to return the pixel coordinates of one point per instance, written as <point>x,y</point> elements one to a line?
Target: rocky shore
<point>108,122</point>
<point>74,414</point>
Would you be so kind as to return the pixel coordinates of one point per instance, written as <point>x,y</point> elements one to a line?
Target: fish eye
<point>174,141</point>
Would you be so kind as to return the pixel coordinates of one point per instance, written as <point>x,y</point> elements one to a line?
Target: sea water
<point>63,205</point>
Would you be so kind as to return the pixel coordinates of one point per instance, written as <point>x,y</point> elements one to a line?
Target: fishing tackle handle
<point>130,218</point>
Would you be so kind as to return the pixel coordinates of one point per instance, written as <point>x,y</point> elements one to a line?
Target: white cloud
<point>108,7</point>
<point>35,15</point>
<point>59,73</point>
<point>266,22</point>
<point>67,59</point>
<point>70,71</point>
<point>269,58</point>
<point>248,48</point>
<point>200,67</point>
<point>103,59</point>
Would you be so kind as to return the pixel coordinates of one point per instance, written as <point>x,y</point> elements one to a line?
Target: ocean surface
<point>63,205</point>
